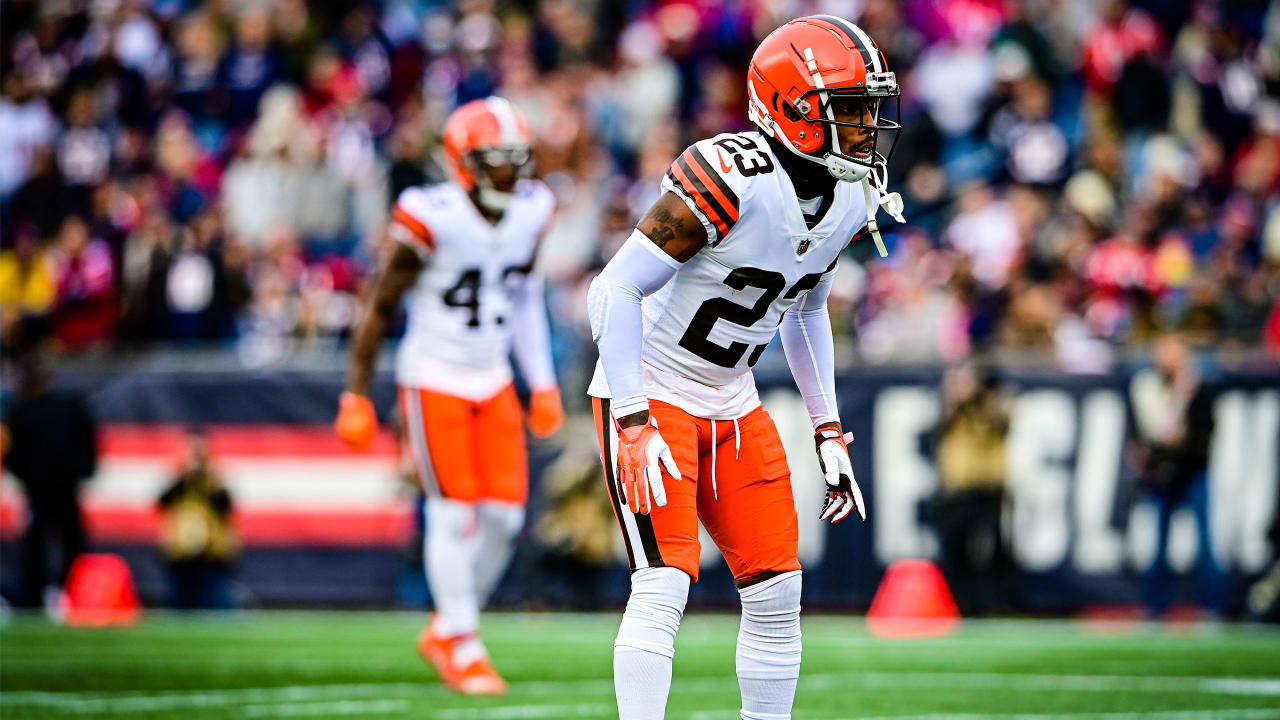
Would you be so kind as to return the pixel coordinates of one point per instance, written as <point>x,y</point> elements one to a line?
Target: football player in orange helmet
<point>463,263</point>
<point>742,243</point>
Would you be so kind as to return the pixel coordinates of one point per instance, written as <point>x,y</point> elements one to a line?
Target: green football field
<point>363,665</point>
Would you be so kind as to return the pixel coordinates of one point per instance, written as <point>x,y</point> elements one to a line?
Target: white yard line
<point>100,702</point>
<point>1083,683</point>
<point>361,708</point>
<point>1225,714</point>
<point>95,703</point>
<point>521,712</point>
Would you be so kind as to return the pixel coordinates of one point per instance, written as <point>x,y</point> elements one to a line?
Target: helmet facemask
<point>496,170</point>
<point>825,105</point>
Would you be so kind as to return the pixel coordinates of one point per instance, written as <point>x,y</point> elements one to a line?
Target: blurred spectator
<point>1262,601</point>
<point>51,447</point>
<point>971,468</point>
<point>27,291</point>
<point>197,536</point>
<point>576,527</point>
<point>1121,33</point>
<point>1035,150</point>
<point>1173,418</point>
<point>26,127</point>
<point>250,66</point>
<point>84,275</point>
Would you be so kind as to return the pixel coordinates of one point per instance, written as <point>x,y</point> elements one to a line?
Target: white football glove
<point>843,493</point>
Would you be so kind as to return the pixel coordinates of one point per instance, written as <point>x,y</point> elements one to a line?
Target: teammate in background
<point>465,257</point>
<point>743,240</point>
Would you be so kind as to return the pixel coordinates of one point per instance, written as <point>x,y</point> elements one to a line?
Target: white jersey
<point>708,326</point>
<point>460,310</point>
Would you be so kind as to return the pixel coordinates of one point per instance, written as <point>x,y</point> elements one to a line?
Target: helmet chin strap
<point>876,199</point>
<point>842,169</point>
<point>874,181</point>
<point>493,200</point>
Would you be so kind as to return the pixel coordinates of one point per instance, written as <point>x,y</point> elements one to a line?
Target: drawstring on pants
<point>715,440</point>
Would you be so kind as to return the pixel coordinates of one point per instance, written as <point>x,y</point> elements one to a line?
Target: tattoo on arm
<point>673,227</point>
<point>663,227</point>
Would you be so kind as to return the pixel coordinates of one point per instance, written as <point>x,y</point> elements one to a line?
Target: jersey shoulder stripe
<point>417,229</point>
<point>407,222</point>
<point>694,177</point>
<point>719,189</point>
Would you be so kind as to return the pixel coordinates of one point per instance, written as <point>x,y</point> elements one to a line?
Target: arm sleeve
<point>617,324</point>
<point>530,336</point>
<point>810,350</point>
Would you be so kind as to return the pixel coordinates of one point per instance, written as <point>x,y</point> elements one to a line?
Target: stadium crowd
<point>1078,175</point>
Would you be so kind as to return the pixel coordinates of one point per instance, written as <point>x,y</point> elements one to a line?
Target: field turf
<point>362,665</point>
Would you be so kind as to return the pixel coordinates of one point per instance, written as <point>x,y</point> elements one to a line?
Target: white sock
<point>646,642</point>
<point>449,555</point>
<point>499,524</point>
<point>769,647</point>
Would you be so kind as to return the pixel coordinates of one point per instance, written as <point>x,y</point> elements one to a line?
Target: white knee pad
<point>450,518</point>
<point>502,519</point>
<point>654,610</point>
<point>768,656</point>
<point>499,524</point>
<point>769,637</point>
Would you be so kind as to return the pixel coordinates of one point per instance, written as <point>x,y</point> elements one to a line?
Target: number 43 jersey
<point>461,309</point>
<point>710,323</point>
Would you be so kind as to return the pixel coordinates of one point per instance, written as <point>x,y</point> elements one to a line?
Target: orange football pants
<point>747,509</point>
<point>466,450</point>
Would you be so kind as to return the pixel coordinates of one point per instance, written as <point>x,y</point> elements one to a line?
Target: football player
<point>744,240</point>
<point>464,260</point>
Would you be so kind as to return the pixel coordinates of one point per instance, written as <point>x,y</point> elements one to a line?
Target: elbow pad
<point>598,301</point>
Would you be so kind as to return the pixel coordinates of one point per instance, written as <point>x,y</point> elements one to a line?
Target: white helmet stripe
<point>813,68</point>
<point>501,109</point>
<point>822,96</point>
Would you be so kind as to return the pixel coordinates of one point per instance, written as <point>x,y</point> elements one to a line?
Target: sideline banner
<point>313,515</point>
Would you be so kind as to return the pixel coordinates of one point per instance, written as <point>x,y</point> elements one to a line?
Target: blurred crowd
<point>1079,175</point>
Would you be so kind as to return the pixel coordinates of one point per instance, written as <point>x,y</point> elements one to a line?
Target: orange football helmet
<point>489,132</point>
<point>797,73</point>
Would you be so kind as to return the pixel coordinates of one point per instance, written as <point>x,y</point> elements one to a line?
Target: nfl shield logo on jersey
<point>803,242</point>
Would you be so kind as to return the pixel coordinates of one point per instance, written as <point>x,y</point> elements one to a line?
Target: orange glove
<point>642,455</point>
<point>546,415</point>
<point>357,422</point>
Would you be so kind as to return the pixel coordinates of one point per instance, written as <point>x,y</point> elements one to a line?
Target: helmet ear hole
<point>790,113</point>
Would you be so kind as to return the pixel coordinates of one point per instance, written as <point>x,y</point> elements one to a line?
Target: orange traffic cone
<point>913,600</point>
<point>100,592</point>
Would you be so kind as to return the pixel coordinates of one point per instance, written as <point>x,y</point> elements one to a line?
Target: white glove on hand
<point>843,493</point>
<point>642,454</point>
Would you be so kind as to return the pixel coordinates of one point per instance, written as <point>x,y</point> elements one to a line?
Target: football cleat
<point>480,678</point>
<point>437,651</point>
